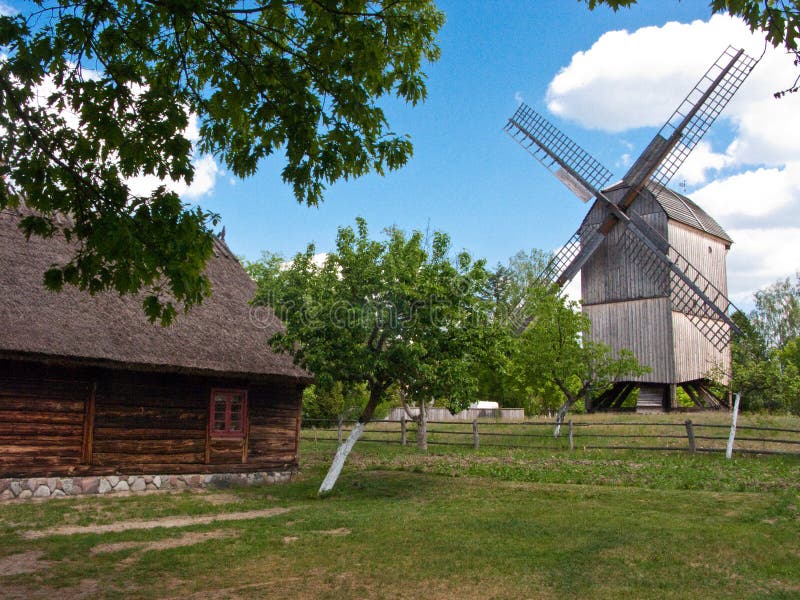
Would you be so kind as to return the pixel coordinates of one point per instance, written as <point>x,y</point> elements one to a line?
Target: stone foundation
<point>50,487</point>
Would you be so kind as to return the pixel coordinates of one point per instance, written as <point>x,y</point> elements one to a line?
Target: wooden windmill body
<point>630,306</point>
<point>652,262</point>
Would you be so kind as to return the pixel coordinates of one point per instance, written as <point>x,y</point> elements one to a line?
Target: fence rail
<point>607,435</point>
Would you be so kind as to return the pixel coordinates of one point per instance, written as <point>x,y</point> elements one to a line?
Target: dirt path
<point>154,523</point>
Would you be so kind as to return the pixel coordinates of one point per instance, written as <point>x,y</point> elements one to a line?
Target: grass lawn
<point>496,523</point>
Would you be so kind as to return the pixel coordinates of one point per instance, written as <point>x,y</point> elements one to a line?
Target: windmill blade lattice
<point>700,109</point>
<point>690,292</point>
<point>568,260</point>
<point>559,154</point>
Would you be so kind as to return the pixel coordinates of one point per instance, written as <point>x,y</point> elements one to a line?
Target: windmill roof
<point>680,208</point>
<point>217,337</point>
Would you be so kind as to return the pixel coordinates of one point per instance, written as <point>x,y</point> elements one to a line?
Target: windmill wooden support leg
<point>689,389</point>
<point>670,397</point>
<point>711,400</point>
<point>613,398</point>
<point>623,396</point>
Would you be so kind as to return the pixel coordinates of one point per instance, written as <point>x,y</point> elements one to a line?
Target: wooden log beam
<point>88,426</point>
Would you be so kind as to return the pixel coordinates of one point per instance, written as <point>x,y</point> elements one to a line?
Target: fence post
<point>690,436</point>
<point>339,430</point>
<point>729,450</point>
<point>403,433</point>
<point>475,440</point>
<point>571,441</point>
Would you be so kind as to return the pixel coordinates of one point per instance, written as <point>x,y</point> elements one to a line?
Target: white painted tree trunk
<point>562,412</point>
<point>338,460</point>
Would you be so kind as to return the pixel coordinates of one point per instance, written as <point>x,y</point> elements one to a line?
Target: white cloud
<point>628,80</point>
<point>518,97</point>
<point>6,10</point>
<point>205,177</point>
<point>769,196</point>
<point>573,289</point>
<point>695,169</point>
<point>761,257</point>
<point>205,167</point>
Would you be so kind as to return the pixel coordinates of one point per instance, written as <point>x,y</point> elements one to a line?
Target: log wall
<point>41,426</point>
<point>74,421</point>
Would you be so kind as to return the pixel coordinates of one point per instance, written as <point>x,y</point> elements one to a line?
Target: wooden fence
<point>469,415</point>
<point>611,435</point>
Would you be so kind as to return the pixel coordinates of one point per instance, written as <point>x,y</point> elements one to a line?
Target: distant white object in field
<point>485,404</point>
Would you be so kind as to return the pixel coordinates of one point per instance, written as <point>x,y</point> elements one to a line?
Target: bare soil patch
<point>335,532</point>
<point>221,498</point>
<point>154,523</point>
<point>24,562</point>
<point>187,539</point>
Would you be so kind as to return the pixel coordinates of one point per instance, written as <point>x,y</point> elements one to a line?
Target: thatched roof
<point>216,338</point>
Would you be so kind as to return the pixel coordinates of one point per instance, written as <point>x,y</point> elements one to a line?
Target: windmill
<point>652,262</point>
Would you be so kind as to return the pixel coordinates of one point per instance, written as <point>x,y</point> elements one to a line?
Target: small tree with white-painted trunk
<point>397,312</point>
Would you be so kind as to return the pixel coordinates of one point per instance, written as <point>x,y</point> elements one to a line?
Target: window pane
<point>236,414</point>
<point>219,414</point>
<point>228,412</point>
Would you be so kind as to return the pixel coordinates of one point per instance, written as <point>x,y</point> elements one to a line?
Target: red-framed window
<point>228,413</point>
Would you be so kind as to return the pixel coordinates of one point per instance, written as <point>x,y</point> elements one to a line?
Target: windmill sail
<point>690,121</point>
<point>658,163</point>
<point>570,163</point>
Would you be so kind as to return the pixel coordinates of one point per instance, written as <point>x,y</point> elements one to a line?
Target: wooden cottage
<point>633,300</point>
<point>89,388</point>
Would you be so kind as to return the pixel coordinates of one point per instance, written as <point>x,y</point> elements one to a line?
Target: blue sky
<point>469,179</point>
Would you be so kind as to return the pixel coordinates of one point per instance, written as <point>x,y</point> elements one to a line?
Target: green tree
<point>327,404</point>
<point>388,314</point>
<point>556,351</point>
<point>778,19</point>
<point>765,355</point>
<point>777,312</point>
<point>94,93</point>
<point>507,289</point>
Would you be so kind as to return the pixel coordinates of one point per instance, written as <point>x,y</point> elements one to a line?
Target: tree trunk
<point>422,427</point>
<point>343,451</point>
<point>562,412</point>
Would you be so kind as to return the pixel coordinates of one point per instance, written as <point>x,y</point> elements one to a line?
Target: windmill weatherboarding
<point>652,261</point>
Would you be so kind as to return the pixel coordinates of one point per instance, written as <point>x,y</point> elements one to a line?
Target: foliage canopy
<point>765,356</point>
<point>95,93</point>
<point>386,314</point>
<point>556,351</point>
